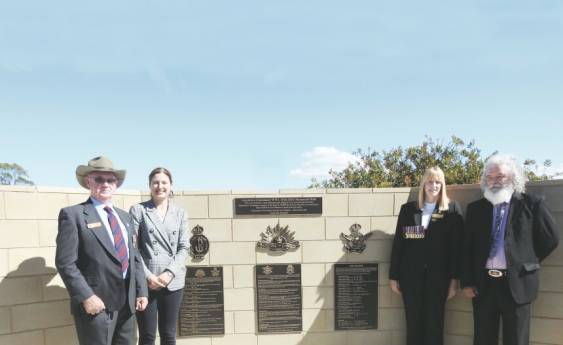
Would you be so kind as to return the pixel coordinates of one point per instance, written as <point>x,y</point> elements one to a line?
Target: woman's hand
<point>165,278</point>
<point>395,287</point>
<point>452,290</point>
<point>154,283</point>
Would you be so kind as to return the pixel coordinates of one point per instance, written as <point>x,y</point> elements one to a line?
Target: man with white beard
<point>507,234</point>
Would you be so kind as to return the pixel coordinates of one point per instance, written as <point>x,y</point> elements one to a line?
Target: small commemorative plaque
<point>278,206</point>
<point>279,299</point>
<point>355,300</point>
<point>203,310</point>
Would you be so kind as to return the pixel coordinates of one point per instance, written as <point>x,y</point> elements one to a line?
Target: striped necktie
<point>118,240</point>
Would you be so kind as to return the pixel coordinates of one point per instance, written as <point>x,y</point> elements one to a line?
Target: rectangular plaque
<point>203,310</point>
<point>355,296</point>
<point>278,206</point>
<point>278,296</point>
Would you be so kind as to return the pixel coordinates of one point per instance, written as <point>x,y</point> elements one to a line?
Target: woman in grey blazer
<point>163,243</point>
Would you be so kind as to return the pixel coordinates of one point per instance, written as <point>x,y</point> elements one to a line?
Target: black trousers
<point>424,298</point>
<point>164,306</point>
<point>494,302</point>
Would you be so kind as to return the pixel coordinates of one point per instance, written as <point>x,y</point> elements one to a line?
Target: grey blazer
<point>163,244</point>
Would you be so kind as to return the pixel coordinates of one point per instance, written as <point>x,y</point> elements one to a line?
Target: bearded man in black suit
<point>507,234</point>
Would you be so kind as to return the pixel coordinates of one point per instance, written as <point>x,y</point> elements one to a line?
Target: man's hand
<point>93,305</point>
<point>154,282</point>
<point>395,287</point>
<point>141,303</point>
<point>452,290</point>
<point>470,291</point>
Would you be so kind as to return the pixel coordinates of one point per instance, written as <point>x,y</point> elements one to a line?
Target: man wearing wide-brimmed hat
<point>98,262</point>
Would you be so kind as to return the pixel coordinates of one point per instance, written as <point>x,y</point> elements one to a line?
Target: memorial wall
<point>292,267</point>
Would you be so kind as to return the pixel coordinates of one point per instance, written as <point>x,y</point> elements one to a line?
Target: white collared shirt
<point>99,206</point>
<point>427,211</point>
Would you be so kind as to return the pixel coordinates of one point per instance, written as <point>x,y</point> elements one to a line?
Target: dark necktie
<point>118,240</point>
<point>497,223</point>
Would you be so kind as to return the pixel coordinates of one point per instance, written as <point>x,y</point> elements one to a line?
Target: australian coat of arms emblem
<point>278,239</point>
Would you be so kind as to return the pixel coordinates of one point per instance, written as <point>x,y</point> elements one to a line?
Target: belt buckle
<point>495,273</point>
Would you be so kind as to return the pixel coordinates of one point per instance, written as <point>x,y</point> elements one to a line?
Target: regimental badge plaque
<point>203,310</point>
<point>355,296</point>
<point>199,244</point>
<point>356,241</point>
<point>278,298</point>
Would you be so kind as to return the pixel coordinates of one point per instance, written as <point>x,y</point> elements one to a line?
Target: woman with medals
<point>425,258</point>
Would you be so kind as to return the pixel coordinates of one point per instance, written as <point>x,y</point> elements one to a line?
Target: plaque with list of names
<point>355,296</point>
<point>278,206</point>
<point>203,310</point>
<point>278,296</point>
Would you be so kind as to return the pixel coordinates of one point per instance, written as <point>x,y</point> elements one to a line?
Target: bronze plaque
<point>278,298</point>
<point>355,296</point>
<point>278,206</point>
<point>203,310</point>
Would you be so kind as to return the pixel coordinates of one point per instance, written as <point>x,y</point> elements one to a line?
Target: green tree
<point>12,174</point>
<point>531,169</point>
<point>461,162</point>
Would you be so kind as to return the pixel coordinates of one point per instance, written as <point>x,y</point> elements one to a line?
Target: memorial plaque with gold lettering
<point>203,310</point>
<point>279,300</point>
<point>355,296</point>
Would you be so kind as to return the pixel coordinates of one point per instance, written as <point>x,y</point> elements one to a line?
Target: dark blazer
<point>438,253</point>
<point>87,262</point>
<point>530,236</point>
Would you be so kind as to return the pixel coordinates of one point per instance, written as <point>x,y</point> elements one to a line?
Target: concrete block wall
<point>34,304</point>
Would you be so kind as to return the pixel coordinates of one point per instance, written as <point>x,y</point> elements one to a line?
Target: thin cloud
<point>15,67</point>
<point>320,160</point>
<point>160,79</point>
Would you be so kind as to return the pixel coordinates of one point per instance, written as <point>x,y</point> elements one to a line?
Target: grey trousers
<point>105,328</point>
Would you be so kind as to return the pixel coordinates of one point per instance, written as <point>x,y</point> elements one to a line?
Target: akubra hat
<point>102,164</point>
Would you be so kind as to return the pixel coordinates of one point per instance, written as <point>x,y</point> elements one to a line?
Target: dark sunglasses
<point>101,180</point>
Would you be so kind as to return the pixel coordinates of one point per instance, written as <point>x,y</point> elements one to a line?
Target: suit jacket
<point>162,244</point>
<point>530,235</point>
<point>438,252</point>
<point>87,261</point>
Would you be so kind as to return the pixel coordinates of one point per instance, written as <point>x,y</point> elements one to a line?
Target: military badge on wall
<point>356,241</point>
<point>278,239</point>
<point>199,244</point>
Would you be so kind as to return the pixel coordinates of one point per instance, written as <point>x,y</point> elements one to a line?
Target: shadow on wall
<point>391,319</point>
<point>390,323</point>
<point>35,300</point>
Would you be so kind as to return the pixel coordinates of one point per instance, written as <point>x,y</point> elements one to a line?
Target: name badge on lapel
<point>436,216</point>
<point>94,225</point>
<point>414,232</point>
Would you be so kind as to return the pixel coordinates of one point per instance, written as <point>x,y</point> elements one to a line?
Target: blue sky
<point>262,94</point>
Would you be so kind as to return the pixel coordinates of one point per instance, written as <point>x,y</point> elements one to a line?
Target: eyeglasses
<point>495,177</point>
<point>101,180</point>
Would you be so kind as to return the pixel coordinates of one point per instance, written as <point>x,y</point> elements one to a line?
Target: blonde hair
<point>437,174</point>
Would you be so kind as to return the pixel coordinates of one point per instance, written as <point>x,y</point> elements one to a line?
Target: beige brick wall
<point>34,304</point>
